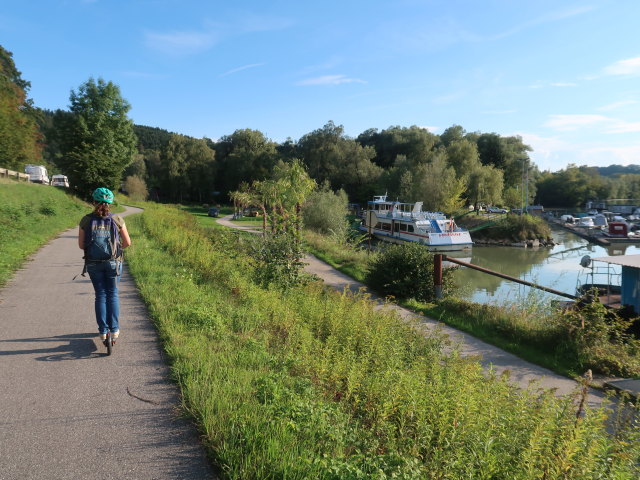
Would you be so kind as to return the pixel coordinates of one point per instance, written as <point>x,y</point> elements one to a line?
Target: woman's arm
<point>124,235</point>
<point>81,238</point>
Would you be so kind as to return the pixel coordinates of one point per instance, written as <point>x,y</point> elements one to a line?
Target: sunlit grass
<point>315,384</point>
<point>30,215</point>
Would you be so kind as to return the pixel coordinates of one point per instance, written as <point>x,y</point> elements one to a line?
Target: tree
<point>20,138</point>
<point>96,141</point>
<point>452,134</point>
<point>135,188</point>
<point>463,156</point>
<point>326,212</point>
<point>244,156</point>
<point>415,143</point>
<point>186,170</point>
<point>485,186</point>
<point>332,157</point>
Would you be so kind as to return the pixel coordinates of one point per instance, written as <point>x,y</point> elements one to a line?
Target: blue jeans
<point>104,276</point>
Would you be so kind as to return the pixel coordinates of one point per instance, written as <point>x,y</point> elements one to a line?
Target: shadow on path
<point>78,346</point>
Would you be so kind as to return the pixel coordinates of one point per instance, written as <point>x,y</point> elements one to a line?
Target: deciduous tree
<point>96,141</point>
<point>20,139</point>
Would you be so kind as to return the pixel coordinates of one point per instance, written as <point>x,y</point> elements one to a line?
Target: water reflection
<point>557,268</point>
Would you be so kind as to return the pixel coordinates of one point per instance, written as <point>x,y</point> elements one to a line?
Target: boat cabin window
<point>403,227</point>
<point>410,228</point>
<point>396,227</point>
<point>386,226</point>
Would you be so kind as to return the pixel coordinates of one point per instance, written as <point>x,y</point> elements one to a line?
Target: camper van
<point>60,181</point>
<point>37,174</point>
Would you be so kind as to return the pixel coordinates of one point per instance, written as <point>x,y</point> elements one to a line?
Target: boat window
<point>377,225</point>
<point>410,228</point>
<point>386,226</point>
<point>396,227</point>
<point>403,227</point>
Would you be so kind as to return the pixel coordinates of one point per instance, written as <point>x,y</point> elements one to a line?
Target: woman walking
<point>102,236</point>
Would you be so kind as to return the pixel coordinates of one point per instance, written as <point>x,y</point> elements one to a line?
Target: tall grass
<point>314,384</point>
<point>342,255</point>
<point>30,215</point>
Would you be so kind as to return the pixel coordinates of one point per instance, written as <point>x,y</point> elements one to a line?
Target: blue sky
<point>565,75</point>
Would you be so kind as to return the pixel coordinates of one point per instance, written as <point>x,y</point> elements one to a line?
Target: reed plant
<point>310,383</point>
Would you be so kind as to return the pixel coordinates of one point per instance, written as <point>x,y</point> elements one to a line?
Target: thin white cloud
<point>554,16</point>
<point>617,105</point>
<point>601,122</point>
<point>329,80</point>
<point>181,43</point>
<point>239,69</point>
<point>574,122</point>
<point>552,153</point>
<point>629,66</point>
<point>623,155</point>
<point>431,128</point>
<point>553,84</point>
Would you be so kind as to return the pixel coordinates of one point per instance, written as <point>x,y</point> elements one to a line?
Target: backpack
<point>102,240</point>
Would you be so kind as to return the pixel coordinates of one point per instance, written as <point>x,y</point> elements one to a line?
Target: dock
<point>593,235</point>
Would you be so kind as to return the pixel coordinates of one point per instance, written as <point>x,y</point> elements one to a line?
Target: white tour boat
<point>397,222</point>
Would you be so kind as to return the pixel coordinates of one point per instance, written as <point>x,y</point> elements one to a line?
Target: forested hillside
<point>95,143</point>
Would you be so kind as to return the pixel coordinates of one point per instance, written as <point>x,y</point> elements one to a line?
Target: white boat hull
<point>435,242</point>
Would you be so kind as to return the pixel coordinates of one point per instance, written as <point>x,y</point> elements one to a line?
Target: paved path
<point>521,372</point>
<point>67,411</point>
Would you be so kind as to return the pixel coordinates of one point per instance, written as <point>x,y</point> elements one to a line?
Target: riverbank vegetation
<point>563,341</point>
<point>308,383</point>
<point>30,215</point>
<point>507,228</point>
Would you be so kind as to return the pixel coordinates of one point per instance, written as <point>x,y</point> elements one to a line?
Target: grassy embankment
<point>30,215</point>
<point>313,384</point>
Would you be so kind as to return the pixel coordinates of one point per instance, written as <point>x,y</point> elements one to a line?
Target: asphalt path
<point>520,372</point>
<point>68,411</point>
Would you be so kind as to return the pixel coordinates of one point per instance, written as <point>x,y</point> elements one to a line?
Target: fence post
<point>437,275</point>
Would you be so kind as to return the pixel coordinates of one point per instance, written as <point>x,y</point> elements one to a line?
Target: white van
<point>37,174</point>
<point>60,181</point>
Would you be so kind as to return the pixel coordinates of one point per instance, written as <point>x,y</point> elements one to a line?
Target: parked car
<point>496,210</point>
<point>213,212</point>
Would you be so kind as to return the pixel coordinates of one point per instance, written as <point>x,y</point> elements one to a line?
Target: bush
<point>406,271</point>
<point>326,212</point>
<point>136,188</point>
<point>278,260</point>
<point>517,228</point>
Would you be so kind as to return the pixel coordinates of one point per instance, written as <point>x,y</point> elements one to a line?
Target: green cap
<point>103,195</point>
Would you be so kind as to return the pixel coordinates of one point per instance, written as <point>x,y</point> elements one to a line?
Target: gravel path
<point>67,410</point>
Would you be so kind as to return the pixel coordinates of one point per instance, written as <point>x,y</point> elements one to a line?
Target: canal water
<point>558,268</point>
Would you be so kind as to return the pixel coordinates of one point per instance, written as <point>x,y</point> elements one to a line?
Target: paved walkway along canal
<point>68,411</point>
<point>521,372</point>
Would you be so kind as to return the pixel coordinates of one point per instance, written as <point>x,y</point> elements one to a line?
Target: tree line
<point>95,143</point>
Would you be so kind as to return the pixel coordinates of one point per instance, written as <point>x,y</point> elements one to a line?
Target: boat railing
<point>604,279</point>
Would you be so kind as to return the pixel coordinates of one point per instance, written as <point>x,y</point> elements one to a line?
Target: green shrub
<point>326,212</point>
<point>406,271</point>
<point>278,260</point>
<point>516,228</point>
